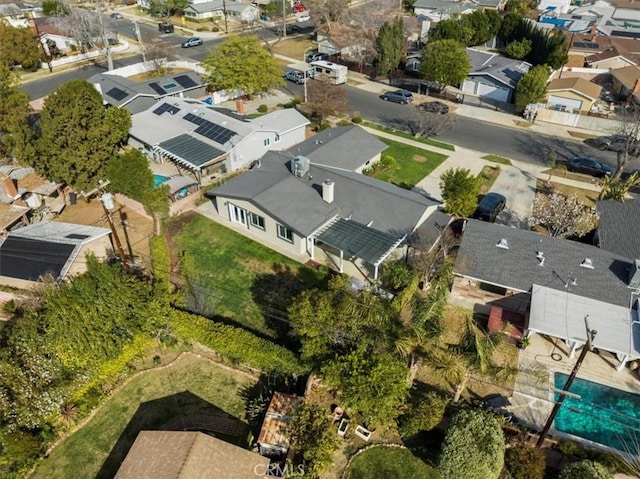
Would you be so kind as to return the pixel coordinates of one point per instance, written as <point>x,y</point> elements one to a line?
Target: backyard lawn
<point>411,164</point>
<point>237,279</point>
<point>160,399</point>
<point>394,462</point>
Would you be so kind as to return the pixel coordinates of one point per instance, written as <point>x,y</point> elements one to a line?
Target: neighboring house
<point>348,41</point>
<point>49,31</point>
<point>611,59</point>
<point>497,5</point>
<point>137,96</point>
<point>626,82</point>
<point>216,9</point>
<point>203,140</point>
<point>619,227</point>
<point>49,247</point>
<point>293,205</point>
<point>436,10</point>
<point>557,282</point>
<point>273,440</point>
<point>23,186</point>
<point>188,455</point>
<point>574,95</point>
<point>346,147</point>
<point>560,6</point>
<point>493,76</point>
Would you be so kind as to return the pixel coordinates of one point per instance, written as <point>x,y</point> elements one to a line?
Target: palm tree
<point>456,363</point>
<point>67,414</point>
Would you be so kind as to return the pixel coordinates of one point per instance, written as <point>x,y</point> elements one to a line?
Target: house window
<point>257,221</point>
<point>276,139</point>
<point>285,234</point>
<point>267,142</point>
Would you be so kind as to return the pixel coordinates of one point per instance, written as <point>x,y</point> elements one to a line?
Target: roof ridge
<point>187,456</point>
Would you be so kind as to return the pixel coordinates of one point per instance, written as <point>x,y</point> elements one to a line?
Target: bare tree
<point>629,130</point>
<point>89,29</point>
<point>425,123</point>
<point>326,99</point>
<point>563,216</point>
<point>327,11</point>
<point>159,53</point>
<point>365,21</point>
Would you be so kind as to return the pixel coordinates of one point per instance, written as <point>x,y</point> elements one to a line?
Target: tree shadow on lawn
<point>275,291</point>
<point>182,411</point>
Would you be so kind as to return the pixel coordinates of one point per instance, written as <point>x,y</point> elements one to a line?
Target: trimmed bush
<point>585,470</point>
<point>524,462</point>
<point>324,126</point>
<point>473,446</point>
<point>263,108</point>
<point>237,345</point>
<point>423,416</point>
<point>160,264</point>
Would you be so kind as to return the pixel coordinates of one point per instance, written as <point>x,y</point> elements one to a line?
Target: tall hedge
<point>160,264</point>
<point>473,447</point>
<point>237,345</point>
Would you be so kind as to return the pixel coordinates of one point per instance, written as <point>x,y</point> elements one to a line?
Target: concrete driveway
<point>518,184</point>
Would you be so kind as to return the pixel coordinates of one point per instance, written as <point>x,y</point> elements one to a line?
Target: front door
<point>237,214</point>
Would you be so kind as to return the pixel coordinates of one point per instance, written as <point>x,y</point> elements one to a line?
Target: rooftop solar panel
<point>195,119</point>
<point>165,107</point>
<point>591,45</point>
<point>117,94</point>
<point>77,236</point>
<point>157,88</point>
<point>185,81</point>
<point>214,132</point>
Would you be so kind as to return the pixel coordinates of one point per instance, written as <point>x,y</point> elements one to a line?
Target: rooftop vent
<point>300,166</point>
<point>634,274</point>
<point>587,263</point>
<point>502,244</point>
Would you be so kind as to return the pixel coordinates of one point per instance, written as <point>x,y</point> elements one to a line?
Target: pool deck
<point>532,398</point>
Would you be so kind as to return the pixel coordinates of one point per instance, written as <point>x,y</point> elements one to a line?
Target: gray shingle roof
<point>348,147</point>
<point>518,268</point>
<point>297,202</point>
<point>619,227</point>
<point>190,150</point>
<point>503,69</point>
<point>445,5</point>
<point>282,121</point>
<point>218,6</point>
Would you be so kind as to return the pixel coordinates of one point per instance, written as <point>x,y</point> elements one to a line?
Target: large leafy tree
<point>563,216</point>
<point>451,29</point>
<point>78,135</point>
<point>460,191</point>
<point>15,133</point>
<point>20,46</point>
<point>445,62</point>
<point>312,438</point>
<point>532,87</point>
<point>242,63</point>
<point>389,46</point>
<point>473,447</point>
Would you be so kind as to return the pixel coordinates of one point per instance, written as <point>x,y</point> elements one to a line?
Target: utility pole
<point>284,20</point>
<point>105,39</point>
<point>106,199</point>
<point>591,334</point>
<point>224,14</point>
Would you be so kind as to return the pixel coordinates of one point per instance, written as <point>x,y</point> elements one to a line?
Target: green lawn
<point>497,159</point>
<point>239,279</point>
<point>411,164</point>
<point>488,176</point>
<point>389,462</point>
<point>191,387</point>
<point>409,136</point>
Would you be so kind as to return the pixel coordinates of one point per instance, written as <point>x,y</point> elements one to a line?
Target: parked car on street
<point>165,27</point>
<point>116,15</point>
<point>589,166</point>
<point>490,207</point>
<point>296,77</point>
<point>191,42</point>
<point>434,107</point>
<point>398,96</point>
<point>615,142</point>
<point>316,56</point>
<point>303,17</point>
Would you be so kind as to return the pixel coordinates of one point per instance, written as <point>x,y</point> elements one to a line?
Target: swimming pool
<point>605,415</point>
<point>159,179</point>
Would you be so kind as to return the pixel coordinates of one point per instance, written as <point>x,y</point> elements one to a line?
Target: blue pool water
<point>159,179</point>
<point>604,415</point>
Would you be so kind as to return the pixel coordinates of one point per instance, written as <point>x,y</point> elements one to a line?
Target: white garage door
<point>486,90</point>
<point>564,104</point>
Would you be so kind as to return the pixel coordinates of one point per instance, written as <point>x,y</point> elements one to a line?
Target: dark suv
<point>490,207</point>
<point>165,27</point>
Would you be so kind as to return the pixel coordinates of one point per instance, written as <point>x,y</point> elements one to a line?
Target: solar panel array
<point>157,88</point>
<point>591,45</point>
<point>214,132</point>
<point>165,107</point>
<point>117,94</point>
<point>185,81</point>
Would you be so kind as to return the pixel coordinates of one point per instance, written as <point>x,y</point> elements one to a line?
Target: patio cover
<point>561,314</point>
<point>189,151</point>
<point>176,183</point>
<point>359,241</point>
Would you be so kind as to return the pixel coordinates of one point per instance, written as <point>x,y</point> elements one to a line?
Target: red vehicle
<point>298,8</point>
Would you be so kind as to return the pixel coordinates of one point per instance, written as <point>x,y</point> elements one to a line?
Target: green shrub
<point>18,450</point>
<point>424,415</point>
<point>357,120</point>
<point>585,470</point>
<point>524,462</point>
<point>324,126</point>
<point>215,28</point>
<point>161,265</point>
<point>237,345</point>
<point>570,448</point>
<point>386,162</point>
<point>344,122</point>
<point>263,108</point>
<point>473,446</point>
<point>202,29</point>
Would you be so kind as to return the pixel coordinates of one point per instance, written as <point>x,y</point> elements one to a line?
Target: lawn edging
<point>409,136</point>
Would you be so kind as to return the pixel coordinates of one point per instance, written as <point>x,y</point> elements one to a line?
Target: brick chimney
<point>593,32</point>
<point>636,87</point>
<point>9,187</point>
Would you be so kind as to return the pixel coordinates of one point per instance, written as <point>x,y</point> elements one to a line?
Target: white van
<point>337,74</point>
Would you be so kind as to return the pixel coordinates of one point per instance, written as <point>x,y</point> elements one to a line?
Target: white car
<point>303,17</point>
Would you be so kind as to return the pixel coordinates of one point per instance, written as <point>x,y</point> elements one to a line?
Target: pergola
<point>561,314</point>
<point>199,153</point>
<point>356,241</point>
